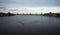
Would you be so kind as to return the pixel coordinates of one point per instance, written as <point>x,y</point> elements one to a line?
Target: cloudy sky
<point>33,6</point>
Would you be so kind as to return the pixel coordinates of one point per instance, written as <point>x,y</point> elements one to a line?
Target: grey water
<point>29,25</point>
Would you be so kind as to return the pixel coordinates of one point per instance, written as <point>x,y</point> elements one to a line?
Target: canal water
<point>29,25</point>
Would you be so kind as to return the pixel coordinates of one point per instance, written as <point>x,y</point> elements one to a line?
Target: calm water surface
<point>29,25</point>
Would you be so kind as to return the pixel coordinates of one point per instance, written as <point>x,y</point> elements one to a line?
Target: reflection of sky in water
<point>29,24</point>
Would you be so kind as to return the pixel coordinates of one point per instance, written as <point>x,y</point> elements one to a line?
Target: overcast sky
<point>35,4</point>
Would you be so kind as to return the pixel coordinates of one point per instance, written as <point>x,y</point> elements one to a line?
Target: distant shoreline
<point>6,14</point>
<point>45,14</point>
<point>52,14</point>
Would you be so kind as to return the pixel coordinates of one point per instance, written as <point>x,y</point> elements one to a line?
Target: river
<point>29,25</point>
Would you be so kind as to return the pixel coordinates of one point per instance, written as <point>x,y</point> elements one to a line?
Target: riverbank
<point>45,14</point>
<point>6,14</point>
<point>52,14</point>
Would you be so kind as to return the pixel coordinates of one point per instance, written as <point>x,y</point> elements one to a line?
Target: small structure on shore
<point>52,14</point>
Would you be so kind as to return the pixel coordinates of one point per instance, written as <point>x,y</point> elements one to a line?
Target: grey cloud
<point>30,2</point>
<point>3,9</point>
